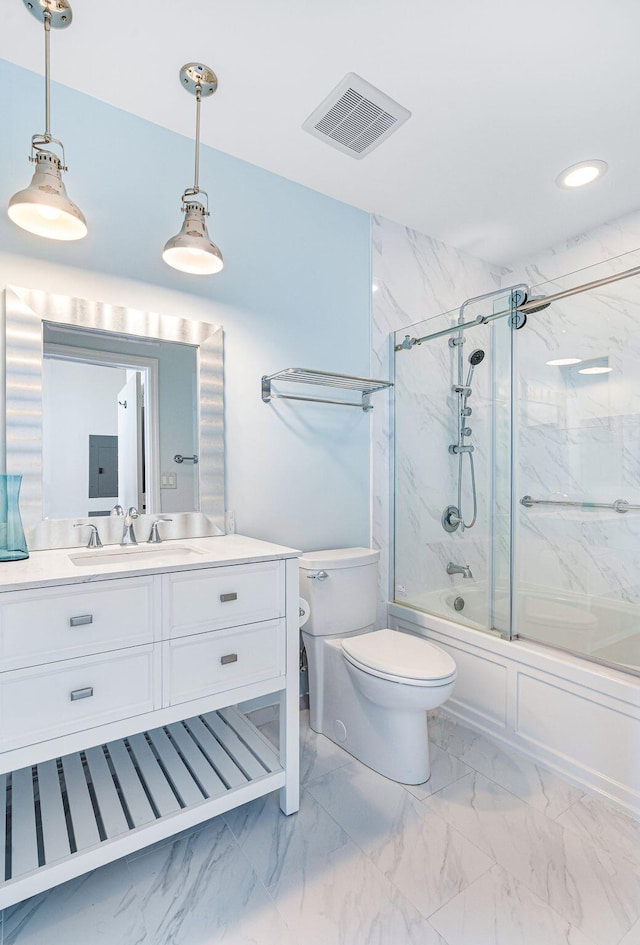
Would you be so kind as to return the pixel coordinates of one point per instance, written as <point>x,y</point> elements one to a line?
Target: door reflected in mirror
<point>116,411</point>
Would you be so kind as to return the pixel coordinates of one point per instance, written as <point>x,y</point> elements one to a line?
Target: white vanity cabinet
<point>119,723</point>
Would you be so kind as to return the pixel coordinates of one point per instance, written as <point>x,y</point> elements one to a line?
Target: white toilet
<point>369,690</point>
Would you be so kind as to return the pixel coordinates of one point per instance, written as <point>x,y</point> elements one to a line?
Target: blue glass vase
<point>13,544</point>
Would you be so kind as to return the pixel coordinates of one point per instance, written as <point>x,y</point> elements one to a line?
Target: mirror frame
<point>26,311</point>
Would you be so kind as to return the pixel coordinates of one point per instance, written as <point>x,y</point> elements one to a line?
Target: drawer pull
<point>81,621</point>
<point>85,693</point>
<point>227,597</point>
<point>229,658</point>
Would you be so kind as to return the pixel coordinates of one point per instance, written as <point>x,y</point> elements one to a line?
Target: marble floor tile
<point>201,890</point>
<point>350,902</point>
<point>607,825</point>
<point>498,910</point>
<point>161,843</point>
<point>445,769</point>
<point>450,735</point>
<point>593,891</point>
<point>275,844</point>
<point>318,754</point>
<point>422,855</point>
<point>633,936</point>
<point>99,908</point>
<point>543,789</point>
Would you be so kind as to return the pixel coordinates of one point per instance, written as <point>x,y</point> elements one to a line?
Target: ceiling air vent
<point>356,117</point>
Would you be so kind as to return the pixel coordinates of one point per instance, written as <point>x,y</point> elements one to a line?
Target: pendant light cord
<point>47,73</point>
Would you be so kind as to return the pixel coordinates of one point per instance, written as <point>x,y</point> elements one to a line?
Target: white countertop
<point>57,566</point>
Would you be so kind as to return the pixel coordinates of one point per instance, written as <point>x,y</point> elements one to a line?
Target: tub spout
<point>462,569</point>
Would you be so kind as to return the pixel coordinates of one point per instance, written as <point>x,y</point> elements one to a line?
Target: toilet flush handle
<point>319,576</point>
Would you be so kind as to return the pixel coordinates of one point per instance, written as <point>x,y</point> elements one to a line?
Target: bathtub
<point>598,628</point>
<point>568,713</point>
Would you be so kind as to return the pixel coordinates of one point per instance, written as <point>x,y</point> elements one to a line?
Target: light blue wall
<point>295,291</point>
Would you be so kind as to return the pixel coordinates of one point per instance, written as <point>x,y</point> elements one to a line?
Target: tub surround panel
<point>607,737</point>
<point>416,277</point>
<point>577,719</point>
<point>578,437</point>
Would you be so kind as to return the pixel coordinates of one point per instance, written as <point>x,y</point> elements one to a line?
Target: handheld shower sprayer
<point>453,516</point>
<point>476,357</point>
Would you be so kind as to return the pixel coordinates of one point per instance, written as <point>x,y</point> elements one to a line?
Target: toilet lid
<point>399,654</point>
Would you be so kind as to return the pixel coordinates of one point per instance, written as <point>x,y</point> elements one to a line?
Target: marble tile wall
<point>577,436</point>
<point>419,278</point>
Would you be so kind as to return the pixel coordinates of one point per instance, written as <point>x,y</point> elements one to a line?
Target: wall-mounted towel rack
<point>364,385</point>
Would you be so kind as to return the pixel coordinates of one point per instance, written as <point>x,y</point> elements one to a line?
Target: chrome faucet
<point>129,536</point>
<point>94,537</point>
<point>462,569</point>
<point>154,535</point>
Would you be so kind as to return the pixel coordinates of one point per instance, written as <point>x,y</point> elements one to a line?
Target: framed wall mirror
<point>111,407</point>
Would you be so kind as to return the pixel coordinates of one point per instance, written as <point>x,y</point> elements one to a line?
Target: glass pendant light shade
<point>192,249</point>
<point>44,207</point>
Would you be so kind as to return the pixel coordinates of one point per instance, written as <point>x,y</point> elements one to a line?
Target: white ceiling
<point>504,95</point>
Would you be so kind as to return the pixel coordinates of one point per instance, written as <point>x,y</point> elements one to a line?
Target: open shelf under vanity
<point>65,816</point>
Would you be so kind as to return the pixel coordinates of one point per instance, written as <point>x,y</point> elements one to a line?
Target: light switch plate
<point>169,480</point>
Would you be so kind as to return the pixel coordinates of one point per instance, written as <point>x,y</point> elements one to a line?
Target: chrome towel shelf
<point>364,385</point>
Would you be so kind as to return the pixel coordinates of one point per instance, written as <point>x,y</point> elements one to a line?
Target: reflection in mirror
<point>116,411</point>
<point>71,365</point>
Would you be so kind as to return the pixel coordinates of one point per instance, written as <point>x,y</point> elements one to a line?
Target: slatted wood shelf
<point>61,818</point>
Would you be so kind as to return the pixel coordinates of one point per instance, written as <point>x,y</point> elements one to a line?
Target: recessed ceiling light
<point>374,287</point>
<point>595,370</point>
<point>562,362</point>
<point>586,172</point>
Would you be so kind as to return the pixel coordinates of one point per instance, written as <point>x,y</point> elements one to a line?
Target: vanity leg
<point>290,698</point>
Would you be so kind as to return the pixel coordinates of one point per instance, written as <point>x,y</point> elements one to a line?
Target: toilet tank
<point>346,599</point>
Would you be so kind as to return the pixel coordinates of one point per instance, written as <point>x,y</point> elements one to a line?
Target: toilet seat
<point>399,657</point>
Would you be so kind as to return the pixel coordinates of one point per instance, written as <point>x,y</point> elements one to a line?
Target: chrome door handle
<point>320,576</point>
<point>85,693</point>
<point>229,658</point>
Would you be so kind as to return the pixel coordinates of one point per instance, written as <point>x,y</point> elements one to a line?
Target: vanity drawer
<point>197,601</point>
<point>201,665</point>
<point>51,624</point>
<point>40,703</point>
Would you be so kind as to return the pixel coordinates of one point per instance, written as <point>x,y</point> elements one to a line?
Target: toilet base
<point>393,742</point>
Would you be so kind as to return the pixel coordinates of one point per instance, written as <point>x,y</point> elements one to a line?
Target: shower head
<point>475,358</point>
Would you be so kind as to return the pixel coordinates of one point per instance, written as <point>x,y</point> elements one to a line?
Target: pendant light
<point>43,207</point>
<point>192,249</point>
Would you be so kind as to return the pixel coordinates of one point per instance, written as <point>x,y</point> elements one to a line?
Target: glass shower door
<point>452,553</point>
<point>576,442</point>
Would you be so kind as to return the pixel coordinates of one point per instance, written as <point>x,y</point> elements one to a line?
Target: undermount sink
<point>136,553</point>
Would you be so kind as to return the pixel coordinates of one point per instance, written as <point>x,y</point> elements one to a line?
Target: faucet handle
<point>133,512</point>
<point>94,537</point>
<point>117,510</point>
<point>154,535</point>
